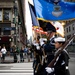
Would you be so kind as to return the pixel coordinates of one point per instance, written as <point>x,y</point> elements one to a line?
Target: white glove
<point>49,70</point>
<point>38,47</point>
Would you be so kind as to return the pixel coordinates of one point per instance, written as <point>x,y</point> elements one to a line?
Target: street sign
<point>9,28</point>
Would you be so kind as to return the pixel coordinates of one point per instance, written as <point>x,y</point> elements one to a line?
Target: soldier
<point>61,64</point>
<point>37,57</point>
<point>50,47</point>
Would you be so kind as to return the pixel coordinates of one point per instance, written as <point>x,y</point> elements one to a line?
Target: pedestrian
<point>25,52</point>
<point>0,56</point>
<point>18,54</point>
<point>22,54</point>
<point>62,61</point>
<point>49,47</point>
<point>14,53</point>
<point>3,51</point>
<point>29,53</point>
<point>37,63</point>
<point>0,48</point>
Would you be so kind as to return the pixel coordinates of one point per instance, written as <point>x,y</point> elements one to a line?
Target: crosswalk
<point>17,69</point>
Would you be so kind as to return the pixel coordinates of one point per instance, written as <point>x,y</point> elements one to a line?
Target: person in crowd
<point>22,54</point>
<point>0,56</point>
<point>25,51</point>
<point>37,63</point>
<point>18,54</point>
<point>14,53</point>
<point>3,51</point>
<point>62,61</point>
<point>29,54</point>
<point>0,48</point>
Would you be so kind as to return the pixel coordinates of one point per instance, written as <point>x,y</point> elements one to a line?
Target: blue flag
<point>47,10</point>
<point>33,16</point>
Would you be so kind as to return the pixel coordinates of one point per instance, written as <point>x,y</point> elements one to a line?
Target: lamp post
<point>15,20</point>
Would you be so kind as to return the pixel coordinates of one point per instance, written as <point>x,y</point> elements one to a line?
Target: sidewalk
<point>10,59</point>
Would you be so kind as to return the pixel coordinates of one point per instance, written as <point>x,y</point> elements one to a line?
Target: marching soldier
<point>37,57</point>
<point>61,64</point>
<point>50,47</point>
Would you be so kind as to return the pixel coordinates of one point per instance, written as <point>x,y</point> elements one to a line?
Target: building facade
<point>7,27</point>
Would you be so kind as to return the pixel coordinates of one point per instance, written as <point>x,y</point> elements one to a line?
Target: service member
<point>37,57</point>
<point>50,47</point>
<point>61,64</point>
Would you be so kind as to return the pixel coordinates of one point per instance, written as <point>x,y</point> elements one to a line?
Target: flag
<point>33,16</point>
<point>46,10</point>
<point>59,28</point>
<point>28,21</point>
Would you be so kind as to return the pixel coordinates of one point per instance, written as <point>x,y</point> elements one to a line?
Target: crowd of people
<point>18,54</point>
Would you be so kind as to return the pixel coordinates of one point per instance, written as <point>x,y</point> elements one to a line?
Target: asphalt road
<point>72,66</point>
<point>26,67</point>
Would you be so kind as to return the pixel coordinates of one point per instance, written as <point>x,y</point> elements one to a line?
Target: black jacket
<point>61,64</point>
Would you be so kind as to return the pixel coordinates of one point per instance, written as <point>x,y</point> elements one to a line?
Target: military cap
<point>50,27</point>
<point>59,39</point>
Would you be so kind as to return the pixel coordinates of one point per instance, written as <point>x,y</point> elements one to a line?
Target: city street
<point>26,68</point>
<point>16,69</point>
<point>72,66</point>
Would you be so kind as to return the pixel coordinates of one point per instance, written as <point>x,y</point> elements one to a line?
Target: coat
<point>49,50</point>
<point>61,64</point>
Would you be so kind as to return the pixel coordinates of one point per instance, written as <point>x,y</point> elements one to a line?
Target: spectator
<point>22,54</point>
<point>3,51</point>
<point>14,53</point>
<point>18,54</point>
<point>0,56</point>
<point>29,53</point>
<point>25,51</point>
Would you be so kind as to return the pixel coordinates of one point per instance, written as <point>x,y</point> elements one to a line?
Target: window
<point>6,32</point>
<point>73,26</point>
<point>6,15</point>
<point>0,14</point>
<point>69,28</point>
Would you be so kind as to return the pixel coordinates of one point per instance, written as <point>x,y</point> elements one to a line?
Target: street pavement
<point>10,68</point>
<point>26,67</point>
<point>16,69</point>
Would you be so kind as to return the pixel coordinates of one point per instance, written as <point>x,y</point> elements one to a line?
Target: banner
<point>33,16</point>
<point>46,10</point>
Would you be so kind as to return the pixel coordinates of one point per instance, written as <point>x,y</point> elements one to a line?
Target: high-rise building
<point>7,28</point>
<point>70,30</point>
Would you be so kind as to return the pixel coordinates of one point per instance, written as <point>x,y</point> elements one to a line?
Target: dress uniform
<point>61,64</point>
<point>49,47</point>
<point>38,58</point>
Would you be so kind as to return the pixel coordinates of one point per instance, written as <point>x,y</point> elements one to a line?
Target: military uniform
<point>61,64</point>
<point>49,47</point>
<point>49,50</point>
<point>37,59</point>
